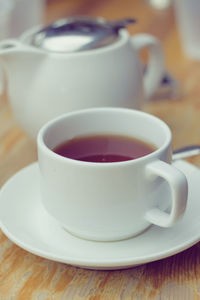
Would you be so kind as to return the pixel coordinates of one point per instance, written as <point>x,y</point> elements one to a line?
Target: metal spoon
<point>83,33</point>
<point>185,152</point>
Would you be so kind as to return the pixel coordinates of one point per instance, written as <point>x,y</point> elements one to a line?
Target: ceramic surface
<point>26,223</point>
<point>108,76</point>
<point>110,201</point>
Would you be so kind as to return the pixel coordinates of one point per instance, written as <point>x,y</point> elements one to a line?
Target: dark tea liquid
<point>104,148</point>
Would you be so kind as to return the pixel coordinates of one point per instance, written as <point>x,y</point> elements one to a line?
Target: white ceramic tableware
<point>43,85</point>
<point>29,226</point>
<point>187,15</point>
<point>110,201</point>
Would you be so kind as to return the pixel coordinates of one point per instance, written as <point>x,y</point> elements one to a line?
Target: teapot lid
<point>76,34</point>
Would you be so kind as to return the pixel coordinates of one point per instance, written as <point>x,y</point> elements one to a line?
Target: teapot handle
<point>155,67</point>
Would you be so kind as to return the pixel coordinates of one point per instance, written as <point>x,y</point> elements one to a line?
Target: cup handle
<point>179,190</point>
<point>155,67</point>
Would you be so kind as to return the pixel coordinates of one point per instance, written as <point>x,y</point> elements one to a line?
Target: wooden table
<point>24,276</point>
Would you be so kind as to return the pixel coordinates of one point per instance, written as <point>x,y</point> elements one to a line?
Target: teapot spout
<point>15,59</point>
<point>6,48</point>
<point>9,46</point>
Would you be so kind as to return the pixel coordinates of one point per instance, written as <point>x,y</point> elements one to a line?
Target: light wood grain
<point>24,276</point>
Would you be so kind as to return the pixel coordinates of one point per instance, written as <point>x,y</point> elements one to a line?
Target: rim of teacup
<point>47,126</point>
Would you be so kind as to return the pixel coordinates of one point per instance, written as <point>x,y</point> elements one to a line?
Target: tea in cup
<point>104,172</point>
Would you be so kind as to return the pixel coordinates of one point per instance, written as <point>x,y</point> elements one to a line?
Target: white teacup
<point>110,201</point>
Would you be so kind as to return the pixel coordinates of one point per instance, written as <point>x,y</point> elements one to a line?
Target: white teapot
<point>77,63</point>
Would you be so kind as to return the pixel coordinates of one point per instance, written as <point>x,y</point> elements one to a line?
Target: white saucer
<point>26,223</point>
